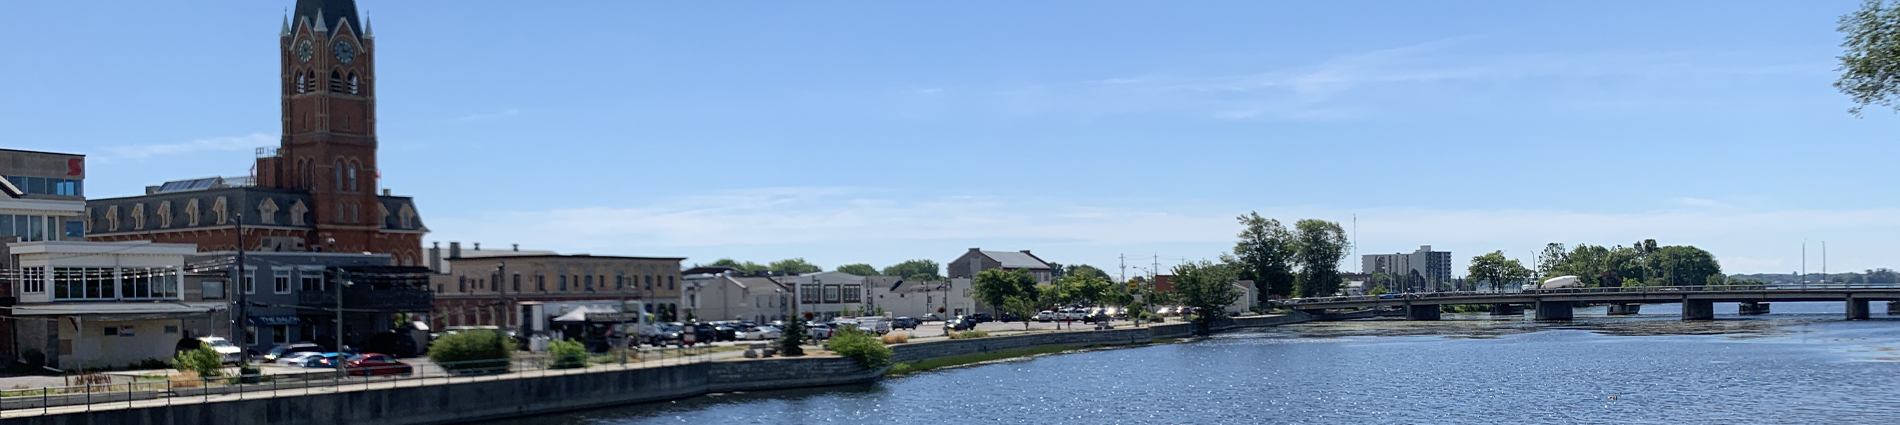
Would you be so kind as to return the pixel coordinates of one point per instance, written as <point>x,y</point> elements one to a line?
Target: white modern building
<point>826,295</point>
<point>101,304</point>
<point>732,296</point>
<point>901,298</point>
<point>1432,266</point>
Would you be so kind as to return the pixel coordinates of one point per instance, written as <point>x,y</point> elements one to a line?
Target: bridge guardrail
<point>1596,290</point>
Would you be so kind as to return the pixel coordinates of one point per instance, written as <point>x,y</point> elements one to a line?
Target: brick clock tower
<point>319,190</point>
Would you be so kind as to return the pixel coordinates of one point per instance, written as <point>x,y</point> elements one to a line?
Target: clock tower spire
<point>329,143</point>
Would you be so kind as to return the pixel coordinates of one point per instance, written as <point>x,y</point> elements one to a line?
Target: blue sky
<point>852,132</point>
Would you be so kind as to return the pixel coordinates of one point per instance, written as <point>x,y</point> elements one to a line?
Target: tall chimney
<point>435,257</point>
<point>478,246</point>
<point>517,247</point>
<point>455,250</point>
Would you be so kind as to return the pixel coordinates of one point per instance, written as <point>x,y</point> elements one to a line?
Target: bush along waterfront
<point>472,352</point>
<point>867,349</point>
<point>567,354</point>
<point>204,361</point>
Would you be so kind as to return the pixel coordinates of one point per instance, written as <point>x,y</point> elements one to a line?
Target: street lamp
<point>343,279</point>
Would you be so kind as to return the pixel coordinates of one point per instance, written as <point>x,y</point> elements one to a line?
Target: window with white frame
<point>148,283</point>
<point>249,277</point>
<point>310,280</point>
<point>33,280</point>
<point>280,280</point>
<point>83,283</point>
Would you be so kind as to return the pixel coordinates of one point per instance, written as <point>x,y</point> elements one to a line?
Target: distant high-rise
<point>1433,266</point>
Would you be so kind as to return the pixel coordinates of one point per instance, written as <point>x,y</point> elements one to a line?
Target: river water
<point>1802,364</point>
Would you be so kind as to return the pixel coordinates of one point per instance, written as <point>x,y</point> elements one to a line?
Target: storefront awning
<point>274,320</point>
<point>120,311</point>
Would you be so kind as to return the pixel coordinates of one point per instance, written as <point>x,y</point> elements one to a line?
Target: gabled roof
<point>1016,260</point>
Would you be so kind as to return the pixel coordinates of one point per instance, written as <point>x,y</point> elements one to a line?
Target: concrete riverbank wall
<point>516,396</point>
<point>464,402</point>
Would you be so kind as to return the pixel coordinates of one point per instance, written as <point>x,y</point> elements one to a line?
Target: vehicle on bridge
<point>1562,282</point>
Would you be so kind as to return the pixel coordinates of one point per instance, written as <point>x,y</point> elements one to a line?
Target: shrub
<point>567,354</point>
<point>792,344</point>
<point>473,351</point>
<point>865,348</point>
<point>969,335</point>
<point>896,338</point>
<point>204,361</point>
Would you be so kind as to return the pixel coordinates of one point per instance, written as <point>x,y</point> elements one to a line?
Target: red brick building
<point>318,190</point>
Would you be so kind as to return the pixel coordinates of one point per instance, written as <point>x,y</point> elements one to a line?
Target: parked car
<point>392,343</point>
<point>961,323</point>
<point>371,364</point>
<point>227,352</point>
<point>323,360</point>
<point>703,333</point>
<point>818,331</point>
<point>762,333</point>
<point>280,351</point>
<point>904,322</point>
<point>1045,316</point>
<point>660,335</point>
<point>982,317</point>
<point>1008,317</point>
<point>931,317</point>
<point>296,359</point>
<point>725,332</point>
<point>876,325</point>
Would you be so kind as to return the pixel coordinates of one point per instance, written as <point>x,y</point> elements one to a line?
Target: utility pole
<point>1804,264</point>
<point>1124,258</point>
<point>1823,262</point>
<point>237,277</point>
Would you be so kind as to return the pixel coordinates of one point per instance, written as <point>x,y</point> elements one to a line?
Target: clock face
<point>304,50</point>
<point>344,52</point>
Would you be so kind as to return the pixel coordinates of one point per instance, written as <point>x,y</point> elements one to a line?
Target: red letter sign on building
<point>76,167</point>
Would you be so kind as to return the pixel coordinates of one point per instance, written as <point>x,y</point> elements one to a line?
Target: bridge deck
<point>1638,295</point>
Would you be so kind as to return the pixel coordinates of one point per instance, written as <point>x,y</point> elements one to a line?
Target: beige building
<point>483,289</point>
<point>102,304</point>
<point>730,296</point>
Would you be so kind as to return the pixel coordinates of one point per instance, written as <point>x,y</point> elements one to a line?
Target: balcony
<point>388,300</point>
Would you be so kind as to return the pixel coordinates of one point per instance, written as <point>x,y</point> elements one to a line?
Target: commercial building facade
<point>729,295</point>
<point>485,289</point>
<point>977,260</point>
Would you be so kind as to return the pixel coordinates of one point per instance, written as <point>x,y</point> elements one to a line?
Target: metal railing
<point>292,381</point>
<point>1598,290</point>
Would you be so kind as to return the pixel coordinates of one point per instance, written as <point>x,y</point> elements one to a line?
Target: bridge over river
<point>1698,302</point>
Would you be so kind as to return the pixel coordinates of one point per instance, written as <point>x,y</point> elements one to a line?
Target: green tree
<point>1321,245</point>
<point>1021,306</point>
<point>1682,266</point>
<point>922,270</point>
<point>1085,288</point>
<point>744,266</point>
<point>1553,255</point>
<point>1208,288</point>
<point>1870,67</point>
<point>1496,270</point>
<point>862,346</point>
<point>1266,252</point>
<point>792,342</point>
<point>567,354</point>
<point>204,360</point>
<point>1085,270</point>
<point>859,269</point>
<point>1882,275</point>
<point>995,286</point>
<point>795,266</point>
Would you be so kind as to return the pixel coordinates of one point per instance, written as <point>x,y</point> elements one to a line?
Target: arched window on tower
<point>352,187</point>
<point>336,82</point>
<point>302,82</point>
<point>352,83</point>
<point>339,175</point>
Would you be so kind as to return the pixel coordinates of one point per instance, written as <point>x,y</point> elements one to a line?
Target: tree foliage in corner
<point>745,266</point>
<point>1870,66</point>
<point>1208,288</point>
<point>859,269</point>
<point>1265,253</point>
<point>1320,246</point>
<point>923,270</point>
<point>795,266</point>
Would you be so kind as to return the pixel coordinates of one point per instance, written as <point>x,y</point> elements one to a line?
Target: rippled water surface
<point>1801,365</point>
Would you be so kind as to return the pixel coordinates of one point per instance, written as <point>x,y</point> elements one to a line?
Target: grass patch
<point>969,335</point>
<point>925,365</point>
<point>896,338</point>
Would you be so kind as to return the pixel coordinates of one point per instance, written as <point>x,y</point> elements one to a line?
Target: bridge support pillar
<point>1752,308</point>
<point>1507,309</point>
<point>1625,309</point>
<point>1857,309</point>
<point>1554,310</point>
<point>1698,310</point>
<point>1893,308</point>
<point>1421,312</point>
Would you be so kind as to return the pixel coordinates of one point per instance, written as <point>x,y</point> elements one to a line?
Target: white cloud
<point>479,117</point>
<point>844,225</point>
<point>235,143</point>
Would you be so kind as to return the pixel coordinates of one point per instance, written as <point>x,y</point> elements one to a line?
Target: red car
<point>368,364</point>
